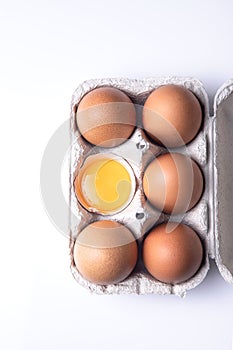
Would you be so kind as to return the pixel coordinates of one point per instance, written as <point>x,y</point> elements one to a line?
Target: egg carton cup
<point>211,218</point>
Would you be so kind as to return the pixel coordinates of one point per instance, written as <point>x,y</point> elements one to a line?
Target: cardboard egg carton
<point>211,218</point>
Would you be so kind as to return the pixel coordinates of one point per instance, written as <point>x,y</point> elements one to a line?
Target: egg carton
<point>211,218</point>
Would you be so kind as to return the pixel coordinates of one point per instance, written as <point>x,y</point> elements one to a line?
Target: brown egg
<point>106,116</point>
<point>173,183</point>
<point>172,252</point>
<point>105,252</point>
<point>172,115</point>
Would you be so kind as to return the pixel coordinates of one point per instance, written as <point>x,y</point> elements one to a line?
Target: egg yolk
<point>105,185</point>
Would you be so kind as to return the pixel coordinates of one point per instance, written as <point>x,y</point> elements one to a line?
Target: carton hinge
<point>211,184</point>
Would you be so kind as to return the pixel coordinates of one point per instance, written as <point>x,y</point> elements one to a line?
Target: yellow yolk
<point>105,185</point>
<point>107,179</point>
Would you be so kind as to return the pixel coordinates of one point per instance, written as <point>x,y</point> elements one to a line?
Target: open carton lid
<point>222,177</point>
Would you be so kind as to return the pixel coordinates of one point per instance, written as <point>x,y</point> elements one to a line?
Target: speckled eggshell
<point>105,252</point>
<point>106,117</point>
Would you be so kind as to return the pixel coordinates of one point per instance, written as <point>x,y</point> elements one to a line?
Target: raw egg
<point>105,252</point>
<point>172,252</point>
<point>173,183</point>
<point>106,117</point>
<point>172,116</point>
<point>105,184</point>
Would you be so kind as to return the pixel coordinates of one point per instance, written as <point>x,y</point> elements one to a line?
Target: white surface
<point>47,48</point>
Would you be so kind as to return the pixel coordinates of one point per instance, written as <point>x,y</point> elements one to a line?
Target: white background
<point>46,49</point>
